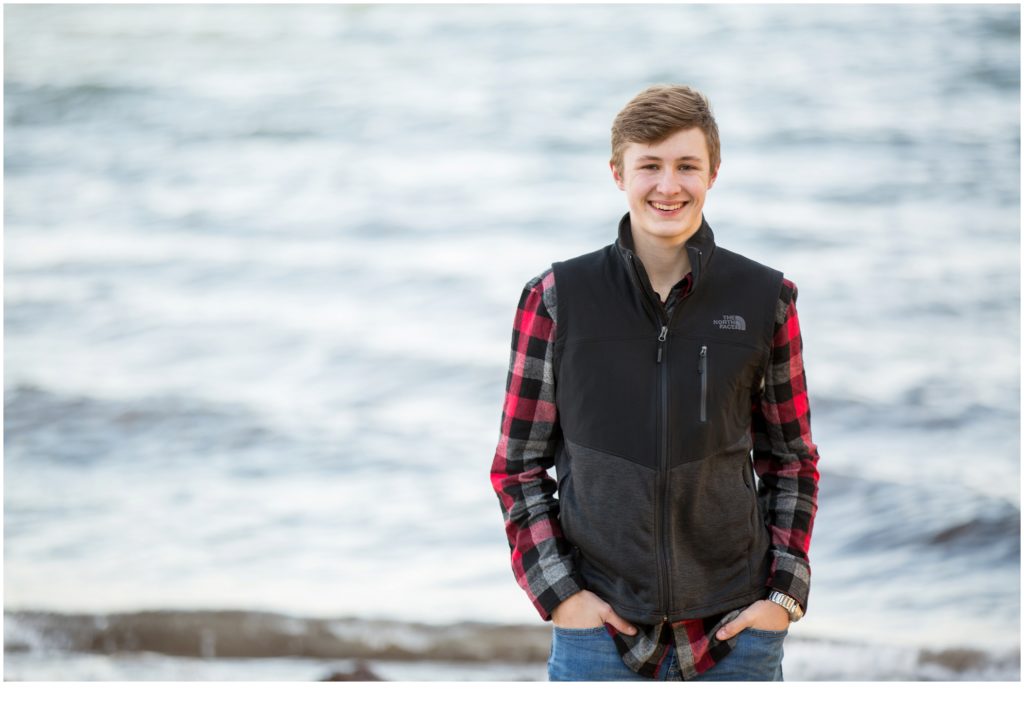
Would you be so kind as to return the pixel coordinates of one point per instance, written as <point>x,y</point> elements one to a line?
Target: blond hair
<point>659,112</point>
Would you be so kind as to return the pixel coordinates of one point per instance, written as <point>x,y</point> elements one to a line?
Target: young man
<point>658,374</point>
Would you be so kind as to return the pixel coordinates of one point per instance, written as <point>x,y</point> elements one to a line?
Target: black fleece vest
<point>656,490</point>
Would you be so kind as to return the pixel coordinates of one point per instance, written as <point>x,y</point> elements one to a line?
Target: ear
<point>714,176</point>
<point>617,175</point>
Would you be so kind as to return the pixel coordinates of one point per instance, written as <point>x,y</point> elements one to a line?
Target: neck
<point>666,263</point>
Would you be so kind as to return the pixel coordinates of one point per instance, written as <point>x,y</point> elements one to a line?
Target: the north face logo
<point>731,322</point>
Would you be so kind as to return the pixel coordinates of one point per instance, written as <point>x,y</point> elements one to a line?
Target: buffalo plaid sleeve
<point>530,434</point>
<point>785,457</point>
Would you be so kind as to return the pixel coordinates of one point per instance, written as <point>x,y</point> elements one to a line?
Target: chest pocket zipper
<point>702,369</point>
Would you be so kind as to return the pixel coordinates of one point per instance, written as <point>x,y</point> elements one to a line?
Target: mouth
<point>667,207</point>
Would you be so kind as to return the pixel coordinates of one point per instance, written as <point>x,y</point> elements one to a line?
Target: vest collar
<point>700,247</point>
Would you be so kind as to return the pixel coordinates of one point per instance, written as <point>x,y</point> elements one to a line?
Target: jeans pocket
<point>586,654</point>
<point>757,656</point>
<point>765,633</point>
<point>580,632</point>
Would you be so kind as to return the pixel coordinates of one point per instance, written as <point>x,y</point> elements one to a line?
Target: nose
<point>669,182</point>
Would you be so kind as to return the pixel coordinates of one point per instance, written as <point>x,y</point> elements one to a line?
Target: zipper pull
<point>703,360</point>
<point>661,341</point>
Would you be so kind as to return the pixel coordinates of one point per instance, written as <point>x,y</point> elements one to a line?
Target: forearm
<point>789,492</point>
<point>541,557</point>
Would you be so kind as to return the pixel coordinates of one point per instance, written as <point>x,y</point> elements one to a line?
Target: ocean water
<point>260,270</point>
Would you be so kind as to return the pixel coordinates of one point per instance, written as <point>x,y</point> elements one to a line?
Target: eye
<point>650,166</point>
<point>687,167</point>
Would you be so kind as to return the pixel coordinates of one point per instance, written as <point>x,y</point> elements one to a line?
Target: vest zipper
<point>662,520</point>
<point>702,369</point>
<point>661,510</point>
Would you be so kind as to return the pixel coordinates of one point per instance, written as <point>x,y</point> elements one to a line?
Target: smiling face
<point>665,185</point>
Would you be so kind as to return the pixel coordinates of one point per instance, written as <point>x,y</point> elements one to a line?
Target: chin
<point>687,230</point>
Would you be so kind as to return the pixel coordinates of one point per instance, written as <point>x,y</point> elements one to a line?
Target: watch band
<point>789,603</point>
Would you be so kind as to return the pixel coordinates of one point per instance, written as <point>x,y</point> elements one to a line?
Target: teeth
<point>666,207</point>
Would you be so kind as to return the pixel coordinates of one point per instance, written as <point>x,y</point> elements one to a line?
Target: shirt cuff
<point>554,594</point>
<point>791,575</point>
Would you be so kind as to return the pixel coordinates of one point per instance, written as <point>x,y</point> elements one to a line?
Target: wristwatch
<point>788,603</point>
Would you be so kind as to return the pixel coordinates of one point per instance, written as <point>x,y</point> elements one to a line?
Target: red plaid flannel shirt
<point>785,460</point>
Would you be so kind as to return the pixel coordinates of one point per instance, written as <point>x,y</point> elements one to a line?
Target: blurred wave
<point>260,268</point>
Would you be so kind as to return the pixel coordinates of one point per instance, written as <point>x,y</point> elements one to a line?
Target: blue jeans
<point>589,654</point>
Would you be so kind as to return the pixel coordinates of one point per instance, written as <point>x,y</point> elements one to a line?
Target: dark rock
<point>361,673</point>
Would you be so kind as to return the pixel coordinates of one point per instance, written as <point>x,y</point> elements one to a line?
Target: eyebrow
<point>682,158</point>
